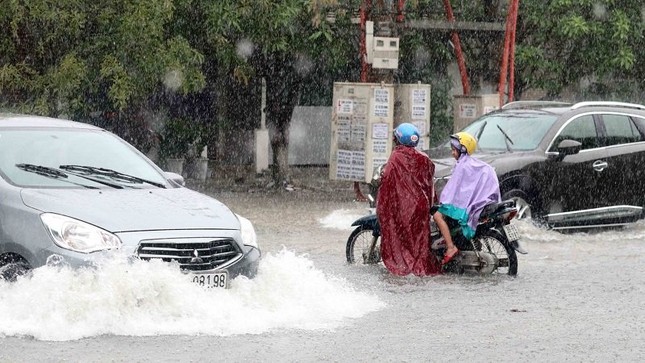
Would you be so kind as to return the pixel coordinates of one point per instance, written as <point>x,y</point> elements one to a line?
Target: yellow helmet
<point>466,140</point>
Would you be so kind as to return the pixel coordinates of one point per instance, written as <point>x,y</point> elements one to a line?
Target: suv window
<point>524,129</point>
<point>620,129</point>
<point>581,129</point>
<point>640,124</point>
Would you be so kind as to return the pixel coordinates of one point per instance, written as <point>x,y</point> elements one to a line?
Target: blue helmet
<point>407,134</point>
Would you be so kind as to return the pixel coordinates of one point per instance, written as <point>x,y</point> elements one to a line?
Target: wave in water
<point>153,298</point>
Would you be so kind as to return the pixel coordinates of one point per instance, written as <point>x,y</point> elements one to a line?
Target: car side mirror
<point>568,147</point>
<point>174,177</point>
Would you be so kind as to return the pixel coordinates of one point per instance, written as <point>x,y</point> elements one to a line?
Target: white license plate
<point>511,232</point>
<point>216,280</point>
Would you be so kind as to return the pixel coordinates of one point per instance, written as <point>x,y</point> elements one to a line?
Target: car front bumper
<point>245,262</point>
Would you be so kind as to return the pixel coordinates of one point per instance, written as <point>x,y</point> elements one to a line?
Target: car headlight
<point>72,234</point>
<point>249,237</point>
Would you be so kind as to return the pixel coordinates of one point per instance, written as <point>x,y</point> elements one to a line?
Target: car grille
<point>191,256</point>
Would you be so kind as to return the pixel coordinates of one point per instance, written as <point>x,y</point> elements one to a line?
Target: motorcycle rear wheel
<point>495,243</point>
<point>358,245</point>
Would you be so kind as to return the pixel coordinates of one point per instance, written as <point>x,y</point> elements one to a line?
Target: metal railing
<point>534,104</point>
<point>607,104</point>
<point>540,104</point>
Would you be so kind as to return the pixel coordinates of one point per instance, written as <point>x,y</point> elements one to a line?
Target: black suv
<point>570,166</point>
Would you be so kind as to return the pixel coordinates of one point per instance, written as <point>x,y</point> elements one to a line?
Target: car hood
<point>134,209</point>
<point>444,166</point>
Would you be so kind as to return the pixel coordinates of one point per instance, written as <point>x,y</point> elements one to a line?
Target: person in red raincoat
<point>405,196</point>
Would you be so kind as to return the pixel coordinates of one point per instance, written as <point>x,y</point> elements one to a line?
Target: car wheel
<point>521,202</point>
<point>12,268</point>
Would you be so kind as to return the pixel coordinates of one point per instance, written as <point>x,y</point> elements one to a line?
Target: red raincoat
<point>405,196</point>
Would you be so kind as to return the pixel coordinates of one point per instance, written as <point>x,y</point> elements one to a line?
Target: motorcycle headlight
<point>249,237</point>
<point>75,235</point>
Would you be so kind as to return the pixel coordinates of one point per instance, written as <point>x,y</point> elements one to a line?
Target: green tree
<point>77,58</point>
<point>594,45</point>
<point>285,42</point>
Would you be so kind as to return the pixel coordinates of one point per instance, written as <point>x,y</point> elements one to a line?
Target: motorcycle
<point>493,249</point>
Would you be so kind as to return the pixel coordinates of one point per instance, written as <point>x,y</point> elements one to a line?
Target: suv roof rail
<point>531,104</point>
<point>607,103</point>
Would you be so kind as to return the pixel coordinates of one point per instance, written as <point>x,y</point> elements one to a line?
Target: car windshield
<point>510,131</point>
<point>27,153</point>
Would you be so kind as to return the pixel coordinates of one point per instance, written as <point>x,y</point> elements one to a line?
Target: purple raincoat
<point>471,187</point>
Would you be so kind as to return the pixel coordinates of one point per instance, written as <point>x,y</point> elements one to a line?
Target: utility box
<point>412,104</point>
<point>382,52</point>
<point>469,108</point>
<point>385,53</point>
<point>361,129</point>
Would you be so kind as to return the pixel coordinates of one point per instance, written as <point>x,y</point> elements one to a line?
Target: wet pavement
<point>577,297</point>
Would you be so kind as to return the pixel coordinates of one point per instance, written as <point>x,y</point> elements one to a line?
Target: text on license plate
<point>217,280</point>
<point>511,232</point>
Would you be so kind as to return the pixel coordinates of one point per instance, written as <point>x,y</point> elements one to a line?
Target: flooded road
<point>577,297</point>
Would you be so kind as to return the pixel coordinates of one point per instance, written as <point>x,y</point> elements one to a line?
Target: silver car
<point>76,193</point>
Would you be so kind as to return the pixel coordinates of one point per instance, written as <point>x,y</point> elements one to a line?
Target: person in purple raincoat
<point>472,186</point>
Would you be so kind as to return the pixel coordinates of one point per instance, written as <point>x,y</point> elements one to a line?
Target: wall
<point>309,139</point>
<point>310,135</point>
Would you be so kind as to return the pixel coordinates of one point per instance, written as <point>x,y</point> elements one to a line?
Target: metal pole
<point>263,114</point>
<point>511,81</point>
<point>364,72</point>
<point>400,16</point>
<point>461,62</point>
<point>261,135</point>
<point>504,66</point>
<point>363,38</point>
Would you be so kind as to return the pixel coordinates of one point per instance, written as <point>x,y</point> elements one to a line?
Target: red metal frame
<point>511,82</point>
<point>461,61</point>
<point>507,64</point>
<point>508,55</point>
<point>363,12</point>
<point>400,16</point>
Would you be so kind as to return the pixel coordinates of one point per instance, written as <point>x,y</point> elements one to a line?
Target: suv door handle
<point>599,165</point>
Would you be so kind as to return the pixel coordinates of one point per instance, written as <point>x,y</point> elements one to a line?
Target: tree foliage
<point>288,43</point>
<point>75,58</point>
<point>203,60</point>
<point>592,45</point>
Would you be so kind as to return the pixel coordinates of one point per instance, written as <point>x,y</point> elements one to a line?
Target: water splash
<point>153,298</point>
<point>342,218</point>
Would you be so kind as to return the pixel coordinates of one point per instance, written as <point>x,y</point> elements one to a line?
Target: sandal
<point>448,258</point>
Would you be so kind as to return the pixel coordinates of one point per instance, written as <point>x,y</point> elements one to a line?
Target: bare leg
<point>445,232</point>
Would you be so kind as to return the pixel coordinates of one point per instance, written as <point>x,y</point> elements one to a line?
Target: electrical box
<point>382,52</point>
<point>361,129</point>
<point>412,104</point>
<point>385,51</point>
<point>468,108</point>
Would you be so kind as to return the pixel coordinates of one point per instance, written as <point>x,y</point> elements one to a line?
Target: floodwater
<point>577,297</point>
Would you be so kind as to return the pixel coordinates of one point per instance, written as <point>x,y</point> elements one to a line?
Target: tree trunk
<point>217,141</point>
<point>280,146</point>
<point>283,90</point>
<point>279,111</point>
